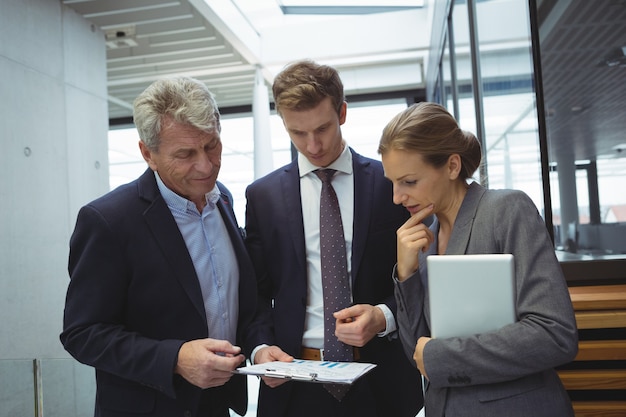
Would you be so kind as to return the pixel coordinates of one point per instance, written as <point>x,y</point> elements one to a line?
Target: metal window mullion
<point>541,117</point>
<point>453,75</point>
<point>477,85</point>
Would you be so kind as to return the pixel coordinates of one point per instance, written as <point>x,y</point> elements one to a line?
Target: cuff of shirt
<point>253,354</point>
<point>389,320</point>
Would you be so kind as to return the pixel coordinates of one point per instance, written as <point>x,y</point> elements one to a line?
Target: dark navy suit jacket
<point>134,299</point>
<point>276,243</point>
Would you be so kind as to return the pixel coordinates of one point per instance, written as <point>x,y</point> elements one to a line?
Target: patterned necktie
<point>335,284</point>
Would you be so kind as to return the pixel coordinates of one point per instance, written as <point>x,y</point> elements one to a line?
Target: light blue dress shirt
<point>213,257</point>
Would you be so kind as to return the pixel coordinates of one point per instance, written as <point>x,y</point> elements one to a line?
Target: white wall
<point>53,134</point>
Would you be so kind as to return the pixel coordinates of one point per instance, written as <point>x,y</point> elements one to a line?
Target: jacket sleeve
<point>261,329</point>
<point>545,334</point>
<point>94,327</point>
<point>411,320</point>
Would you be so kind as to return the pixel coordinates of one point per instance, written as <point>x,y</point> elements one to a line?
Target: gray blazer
<point>508,372</point>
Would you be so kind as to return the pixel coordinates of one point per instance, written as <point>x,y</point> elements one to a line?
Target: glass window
<point>463,68</point>
<point>125,160</point>
<point>611,178</point>
<point>364,124</point>
<point>511,139</point>
<point>583,61</point>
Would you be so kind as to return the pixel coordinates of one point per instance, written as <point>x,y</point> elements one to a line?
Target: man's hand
<point>271,354</point>
<point>208,363</point>
<point>358,324</point>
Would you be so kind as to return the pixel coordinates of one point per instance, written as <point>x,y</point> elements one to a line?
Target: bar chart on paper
<point>310,371</point>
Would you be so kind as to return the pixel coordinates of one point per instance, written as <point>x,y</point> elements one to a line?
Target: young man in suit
<point>161,287</point>
<point>284,240</point>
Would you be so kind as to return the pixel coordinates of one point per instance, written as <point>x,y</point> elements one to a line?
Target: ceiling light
<point>120,38</point>
<point>615,58</point>
<point>619,148</point>
<point>346,6</point>
<point>579,109</point>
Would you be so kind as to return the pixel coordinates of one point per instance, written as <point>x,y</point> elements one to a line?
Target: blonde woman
<point>508,372</point>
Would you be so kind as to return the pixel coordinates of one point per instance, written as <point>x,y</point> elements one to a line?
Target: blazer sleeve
<point>261,331</point>
<point>411,321</point>
<point>545,334</point>
<point>95,331</point>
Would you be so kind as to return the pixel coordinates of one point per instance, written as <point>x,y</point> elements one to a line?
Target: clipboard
<point>310,371</point>
<point>277,373</point>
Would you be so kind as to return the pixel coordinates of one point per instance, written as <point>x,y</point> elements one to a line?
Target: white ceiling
<point>225,42</point>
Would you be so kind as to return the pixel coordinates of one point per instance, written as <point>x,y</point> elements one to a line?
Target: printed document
<point>310,371</point>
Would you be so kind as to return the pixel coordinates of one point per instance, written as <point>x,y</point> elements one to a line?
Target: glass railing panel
<point>17,388</point>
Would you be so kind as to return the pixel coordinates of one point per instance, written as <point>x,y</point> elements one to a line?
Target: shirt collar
<point>176,202</point>
<point>343,163</point>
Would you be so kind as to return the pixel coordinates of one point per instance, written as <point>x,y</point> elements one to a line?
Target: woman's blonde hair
<point>430,130</point>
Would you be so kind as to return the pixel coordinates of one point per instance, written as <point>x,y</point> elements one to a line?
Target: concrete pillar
<point>263,160</point>
<point>566,171</point>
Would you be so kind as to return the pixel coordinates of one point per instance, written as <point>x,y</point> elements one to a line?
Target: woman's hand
<point>413,236</point>
<point>418,355</point>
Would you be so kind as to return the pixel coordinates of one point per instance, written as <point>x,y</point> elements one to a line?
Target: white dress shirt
<point>310,191</point>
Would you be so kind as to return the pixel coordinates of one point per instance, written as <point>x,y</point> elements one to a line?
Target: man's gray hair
<point>182,100</point>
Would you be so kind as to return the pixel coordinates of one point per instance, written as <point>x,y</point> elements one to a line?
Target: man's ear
<point>343,111</point>
<point>147,155</point>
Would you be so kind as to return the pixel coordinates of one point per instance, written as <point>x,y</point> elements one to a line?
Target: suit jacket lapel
<point>226,210</point>
<point>290,196</point>
<point>462,230</point>
<point>363,192</point>
<point>246,291</point>
<point>168,237</point>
